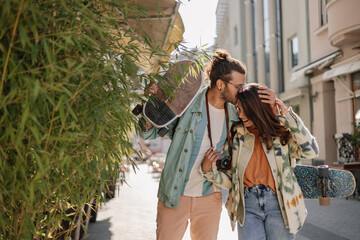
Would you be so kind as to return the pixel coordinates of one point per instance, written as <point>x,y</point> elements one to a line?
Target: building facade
<point>308,52</point>
<point>335,34</point>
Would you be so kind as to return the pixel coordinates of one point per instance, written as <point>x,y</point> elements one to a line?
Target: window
<point>294,45</point>
<point>236,38</point>
<point>356,80</point>
<point>356,87</point>
<point>323,15</point>
<point>267,42</point>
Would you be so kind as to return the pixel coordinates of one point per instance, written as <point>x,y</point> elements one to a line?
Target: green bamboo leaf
<point>35,132</point>
<point>61,108</point>
<point>72,113</point>
<point>24,116</point>
<point>46,49</point>
<point>34,52</point>
<point>66,90</point>
<point>23,36</point>
<point>36,89</point>
<point>32,192</point>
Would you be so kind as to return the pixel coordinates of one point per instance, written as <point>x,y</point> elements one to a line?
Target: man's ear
<point>219,84</point>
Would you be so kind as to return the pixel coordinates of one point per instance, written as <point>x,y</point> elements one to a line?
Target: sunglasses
<point>239,88</point>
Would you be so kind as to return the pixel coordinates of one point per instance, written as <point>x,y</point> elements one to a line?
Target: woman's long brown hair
<point>262,116</point>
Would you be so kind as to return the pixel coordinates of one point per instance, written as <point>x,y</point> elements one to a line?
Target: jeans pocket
<point>272,192</point>
<point>246,193</point>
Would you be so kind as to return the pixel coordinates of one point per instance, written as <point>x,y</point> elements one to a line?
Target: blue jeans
<point>263,218</point>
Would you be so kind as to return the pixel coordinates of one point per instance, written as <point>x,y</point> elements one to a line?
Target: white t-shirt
<point>195,185</point>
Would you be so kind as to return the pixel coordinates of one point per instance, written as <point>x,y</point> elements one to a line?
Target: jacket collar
<point>199,101</point>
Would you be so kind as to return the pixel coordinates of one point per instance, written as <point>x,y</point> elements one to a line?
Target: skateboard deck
<point>184,84</point>
<point>337,183</point>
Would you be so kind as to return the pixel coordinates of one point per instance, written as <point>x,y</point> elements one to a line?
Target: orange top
<point>258,170</point>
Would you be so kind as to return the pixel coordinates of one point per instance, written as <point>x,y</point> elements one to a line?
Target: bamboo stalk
<point>10,46</point>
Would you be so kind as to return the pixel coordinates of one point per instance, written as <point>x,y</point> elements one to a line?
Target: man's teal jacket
<point>182,133</point>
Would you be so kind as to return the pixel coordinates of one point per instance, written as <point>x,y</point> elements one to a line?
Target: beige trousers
<point>203,213</point>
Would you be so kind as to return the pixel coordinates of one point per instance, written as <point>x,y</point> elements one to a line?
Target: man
<point>183,193</point>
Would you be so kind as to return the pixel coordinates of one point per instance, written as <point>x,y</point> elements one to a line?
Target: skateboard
<point>183,82</point>
<point>324,183</point>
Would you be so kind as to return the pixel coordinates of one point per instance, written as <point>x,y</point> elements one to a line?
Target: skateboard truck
<point>163,131</point>
<point>137,110</point>
<point>324,199</point>
<point>142,121</point>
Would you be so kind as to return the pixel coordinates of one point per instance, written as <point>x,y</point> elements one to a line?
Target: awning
<point>163,25</point>
<point>293,94</point>
<point>300,73</point>
<point>342,70</point>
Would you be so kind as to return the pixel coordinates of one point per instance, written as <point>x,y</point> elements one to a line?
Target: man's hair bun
<point>221,55</point>
<point>222,65</point>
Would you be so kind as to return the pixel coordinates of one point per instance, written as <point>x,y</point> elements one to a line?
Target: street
<point>131,215</point>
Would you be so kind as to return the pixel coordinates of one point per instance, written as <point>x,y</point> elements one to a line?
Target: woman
<point>264,198</point>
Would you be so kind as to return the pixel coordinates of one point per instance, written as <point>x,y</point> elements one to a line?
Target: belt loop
<point>257,187</point>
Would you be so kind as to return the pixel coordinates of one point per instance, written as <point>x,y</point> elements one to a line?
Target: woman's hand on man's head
<point>267,95</point>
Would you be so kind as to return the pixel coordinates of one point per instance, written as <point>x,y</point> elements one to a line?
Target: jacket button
<point>191,131</point>
<point>185,150</point>
<point>175,187</point>
<point>197,114</point>
<point>172,205</point>
<point>180,170</point>
<point>179,129</point>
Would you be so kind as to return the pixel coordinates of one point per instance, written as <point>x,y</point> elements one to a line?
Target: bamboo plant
<point>69,71</point>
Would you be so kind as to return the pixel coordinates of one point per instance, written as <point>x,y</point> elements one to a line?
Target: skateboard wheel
<point>137,110</point>
<point>324,201</point>
<point>162,132</point>
<point>323,170</point>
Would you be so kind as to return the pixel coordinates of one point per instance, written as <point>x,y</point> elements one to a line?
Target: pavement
<point>131,215</point>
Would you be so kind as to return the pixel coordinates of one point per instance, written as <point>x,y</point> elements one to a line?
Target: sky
<point>199,21</point>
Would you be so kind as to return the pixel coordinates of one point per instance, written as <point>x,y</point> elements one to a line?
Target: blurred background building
<point>309,53</point>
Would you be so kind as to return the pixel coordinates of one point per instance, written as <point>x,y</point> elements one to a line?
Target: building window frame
<point>294,51</point>
<point>355,79</point>
<point>236,36</point>
<point>323,15</point>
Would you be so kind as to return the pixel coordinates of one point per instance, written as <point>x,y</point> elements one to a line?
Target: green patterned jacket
<point>281,160</point>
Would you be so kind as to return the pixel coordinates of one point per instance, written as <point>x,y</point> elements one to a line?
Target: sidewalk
<point>131,215</point>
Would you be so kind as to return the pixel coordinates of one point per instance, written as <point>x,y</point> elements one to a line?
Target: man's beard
<point>227,96</point>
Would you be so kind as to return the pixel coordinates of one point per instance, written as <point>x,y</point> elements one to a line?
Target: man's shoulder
<point>197,103</point>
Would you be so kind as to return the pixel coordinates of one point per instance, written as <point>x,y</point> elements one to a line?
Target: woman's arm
<point>302,144</point>
<point>209,170</point>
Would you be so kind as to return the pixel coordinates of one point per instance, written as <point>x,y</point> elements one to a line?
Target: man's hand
<point>210,157</point>
<point>148,126</point>
<point>152,88</point>
<point>155,89</point>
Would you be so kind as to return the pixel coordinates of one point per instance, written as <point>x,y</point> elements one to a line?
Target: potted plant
<point>355,141</point>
